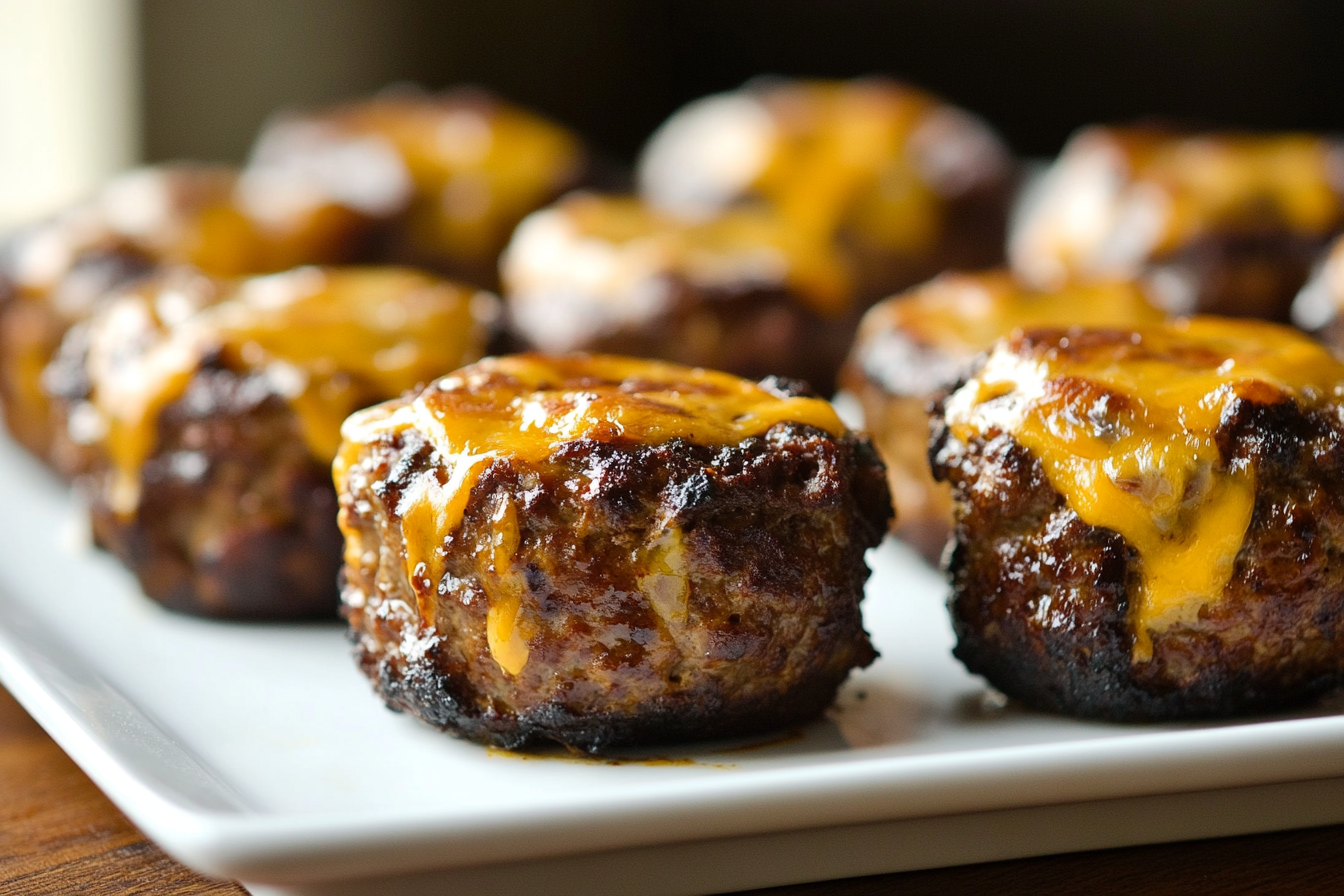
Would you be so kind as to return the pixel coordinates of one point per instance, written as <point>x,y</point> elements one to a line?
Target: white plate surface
<point>260,753</point>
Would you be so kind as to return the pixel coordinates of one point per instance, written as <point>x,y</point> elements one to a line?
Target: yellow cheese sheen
<point>964,313</point>
<point>1126,432</point>
<point>737,244</point>
<point>478,165</point>
<point>329,340</point>
<point>525,407</point>
<point>1229,179</point>
<point>840,157</point>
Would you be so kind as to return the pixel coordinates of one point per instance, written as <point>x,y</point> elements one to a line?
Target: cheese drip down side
<point>524,408</point>
<point>329,341</point>
<point>1125,427</point>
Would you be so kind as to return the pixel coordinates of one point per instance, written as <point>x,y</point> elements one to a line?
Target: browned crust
<point>752,332</point>
<point>236,520</point>
<point>774,531</point>
<point>1040,598</point>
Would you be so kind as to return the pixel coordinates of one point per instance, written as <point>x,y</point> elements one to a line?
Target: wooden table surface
<point>59,834</point>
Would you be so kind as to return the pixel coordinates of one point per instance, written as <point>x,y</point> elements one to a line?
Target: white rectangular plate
<point>260,753</point>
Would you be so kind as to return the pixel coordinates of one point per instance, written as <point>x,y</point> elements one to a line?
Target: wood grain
<point>59,834</point>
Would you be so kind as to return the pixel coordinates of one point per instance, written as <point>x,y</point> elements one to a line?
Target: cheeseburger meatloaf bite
<point>54,273</point>
<point>1148,520</point>
<point>744,291</point>
<point>201,417</point>
<point>913,346</point>
<point>600,551</point>
<point>1218,223</point>
<point>908,184</point>
<point>458,170</point>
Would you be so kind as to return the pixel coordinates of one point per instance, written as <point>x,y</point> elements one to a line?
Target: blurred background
<point>89,86</point>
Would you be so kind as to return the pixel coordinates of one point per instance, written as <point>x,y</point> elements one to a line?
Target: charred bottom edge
<point>427,695</point>
<point>1114,696</point>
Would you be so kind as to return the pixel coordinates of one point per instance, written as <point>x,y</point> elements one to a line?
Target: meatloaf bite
<point>915,345</point>
<point>907,184</point>
<point>1148,520</point>
<point>597,551</point>
<point>744,292</point>
<point>53,274</point>
<point>1218,223</point>
<point>455,170</point>
<point>200,417</point>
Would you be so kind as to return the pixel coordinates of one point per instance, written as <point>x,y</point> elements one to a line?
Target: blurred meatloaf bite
<point>915,345</point>
<point>54,273</point>
<point>743,292</point>
<point>1220,223</point>
<point>455,171</point>
<point>1148,519</point>
<point>201,416</point>
<point>906,183</point>
<point>598,551</point>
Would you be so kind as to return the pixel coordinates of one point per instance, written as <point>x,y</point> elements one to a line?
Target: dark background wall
<point>1037,69</point>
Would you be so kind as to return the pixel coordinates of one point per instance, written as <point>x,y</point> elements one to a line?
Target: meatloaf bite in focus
<point>1148,521</point>
<point>1217,223</point>
<point>598,551</point>
<point>200,417</point>
<point>913,346</point>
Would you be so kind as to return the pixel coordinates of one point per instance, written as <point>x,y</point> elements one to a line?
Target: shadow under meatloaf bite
<point>454,171</point>
<point>598,551</point>
<point>743,292</point>
<point>905,183</point>
<point>55,273</point>
<point>1148,520</point>
<point>201,416</point>
<point>914,346</point>
<point>1218,223</point>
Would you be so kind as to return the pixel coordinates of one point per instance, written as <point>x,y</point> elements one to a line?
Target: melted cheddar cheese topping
<point>329,341</point>
<point>618,248</point>
<point>1118,197</point>
<point>1126,430</point>
<point>478,165</point>
<point>965,313</point>
<point>526,407</point>
<point>871,160</point>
